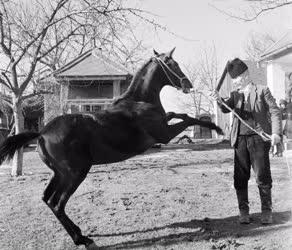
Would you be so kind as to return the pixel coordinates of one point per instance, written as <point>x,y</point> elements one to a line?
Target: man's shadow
<point>206,229</point>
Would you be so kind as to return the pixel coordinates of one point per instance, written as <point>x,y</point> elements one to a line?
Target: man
<point>278,149</point>
<point>288,125</point>
<point>283,103</point>
<point>258,109</point>
<point>289,88</point>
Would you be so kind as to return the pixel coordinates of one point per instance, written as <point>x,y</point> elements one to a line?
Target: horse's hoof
<point>92,246</point>
<point>219,131</point>
<point>83,240</point>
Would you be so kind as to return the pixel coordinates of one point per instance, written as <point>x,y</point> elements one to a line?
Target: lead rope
<point>265,136</point>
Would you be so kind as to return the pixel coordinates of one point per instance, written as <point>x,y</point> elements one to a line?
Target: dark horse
<point>70,144</point>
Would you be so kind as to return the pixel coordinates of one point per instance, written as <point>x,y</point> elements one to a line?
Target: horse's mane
<point>137,77</point>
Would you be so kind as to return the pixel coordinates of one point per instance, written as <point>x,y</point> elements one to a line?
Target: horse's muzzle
<point>186,85</point>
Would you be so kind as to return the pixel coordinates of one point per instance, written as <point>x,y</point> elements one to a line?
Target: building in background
<point>278,61</point>
<point>87,84</point>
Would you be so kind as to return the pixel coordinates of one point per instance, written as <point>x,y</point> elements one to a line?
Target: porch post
<point>116,88</point>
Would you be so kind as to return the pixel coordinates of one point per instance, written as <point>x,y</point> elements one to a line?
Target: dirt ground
<point>176,197</point>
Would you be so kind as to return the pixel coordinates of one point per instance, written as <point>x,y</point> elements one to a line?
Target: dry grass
<point>176,197</point>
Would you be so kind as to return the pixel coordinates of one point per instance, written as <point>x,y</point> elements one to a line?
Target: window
<point>86,108</point>
<point>91,108</point>
<point>95,108</point>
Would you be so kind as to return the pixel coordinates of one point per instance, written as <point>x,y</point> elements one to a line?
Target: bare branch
<point>257,44</point>
<point>8,84</point>
<point>38,48</point>
<point>5,49</point>
<point>36,93</point>
<point>2,81</point>
<point>264,6</point>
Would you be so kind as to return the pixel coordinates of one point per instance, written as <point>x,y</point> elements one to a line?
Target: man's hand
<point>215,95</point>
<point>275,139</point>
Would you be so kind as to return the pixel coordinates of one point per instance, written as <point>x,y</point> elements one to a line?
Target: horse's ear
<point>171,52</point>
<point>155,52</point>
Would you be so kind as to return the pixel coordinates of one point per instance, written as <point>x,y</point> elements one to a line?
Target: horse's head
<point>172,71</point>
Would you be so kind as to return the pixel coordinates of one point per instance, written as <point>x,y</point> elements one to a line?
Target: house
<point>88,83</point>
<point>278,61</point>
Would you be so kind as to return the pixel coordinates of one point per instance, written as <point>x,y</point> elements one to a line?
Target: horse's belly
<point>111,157</point>
<point>103,153</point>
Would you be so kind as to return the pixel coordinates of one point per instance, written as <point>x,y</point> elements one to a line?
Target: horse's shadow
<point>200,146</point>
<point>205,229</point>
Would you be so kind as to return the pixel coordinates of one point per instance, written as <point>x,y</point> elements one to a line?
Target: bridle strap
<point>163,66</point>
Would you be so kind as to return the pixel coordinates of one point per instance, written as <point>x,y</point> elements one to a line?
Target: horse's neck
<point>146,86</point>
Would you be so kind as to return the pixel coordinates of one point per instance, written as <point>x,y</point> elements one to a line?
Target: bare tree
<point>36,36</point>
<point>255,9</point>
<point>257,44</point>
<point>204,76</point>
<point>208,78</point>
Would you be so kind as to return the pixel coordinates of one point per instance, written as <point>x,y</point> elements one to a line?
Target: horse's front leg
<point>168,132</point>
<point>172,115</point>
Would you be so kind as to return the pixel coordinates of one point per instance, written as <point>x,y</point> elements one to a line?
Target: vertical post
<point>17,162</point>
<point>276,80</point>
<point>116,88</point>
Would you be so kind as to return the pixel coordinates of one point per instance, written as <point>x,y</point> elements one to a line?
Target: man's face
<point>241,81</point>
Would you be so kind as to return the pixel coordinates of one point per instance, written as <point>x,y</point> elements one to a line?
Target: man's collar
<point>247,88</point>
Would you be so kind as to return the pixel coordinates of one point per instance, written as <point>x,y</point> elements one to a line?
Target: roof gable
<point>279,48</point>
<point>92,63</point>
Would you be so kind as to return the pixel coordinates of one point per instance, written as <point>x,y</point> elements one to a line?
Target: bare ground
<point>176,197</point>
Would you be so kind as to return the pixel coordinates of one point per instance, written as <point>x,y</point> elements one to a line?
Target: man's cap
<point>236,67</point>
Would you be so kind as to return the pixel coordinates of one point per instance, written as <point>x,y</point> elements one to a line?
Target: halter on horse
<point>70,144</point>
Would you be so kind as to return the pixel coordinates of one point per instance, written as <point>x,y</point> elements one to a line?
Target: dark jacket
<point>264,109</point>
<point>288,126</point>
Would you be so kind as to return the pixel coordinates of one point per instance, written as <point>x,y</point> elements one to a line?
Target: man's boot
<point>242,198</point>
<point>266,202</point>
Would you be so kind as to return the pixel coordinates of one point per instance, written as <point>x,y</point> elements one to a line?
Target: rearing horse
<point>70,144</point>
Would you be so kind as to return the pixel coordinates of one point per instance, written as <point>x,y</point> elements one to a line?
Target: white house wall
<point>276,80</point>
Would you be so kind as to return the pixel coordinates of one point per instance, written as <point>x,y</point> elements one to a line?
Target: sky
<point>199,25</point>
<point>203,25</point>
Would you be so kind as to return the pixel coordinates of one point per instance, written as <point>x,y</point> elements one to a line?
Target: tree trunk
<point>17,161</point>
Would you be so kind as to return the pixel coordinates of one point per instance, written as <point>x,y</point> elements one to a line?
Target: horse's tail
<point>13,143</point>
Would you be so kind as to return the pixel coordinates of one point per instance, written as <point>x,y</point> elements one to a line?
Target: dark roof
<point>258,73</point>
<point>92,63</point>
<point>282,46</point>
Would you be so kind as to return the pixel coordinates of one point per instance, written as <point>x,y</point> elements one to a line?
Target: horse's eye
<point>167,60</point>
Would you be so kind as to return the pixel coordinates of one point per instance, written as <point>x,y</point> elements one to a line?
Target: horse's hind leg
<point>51,187</point>
<point>67,178</point>
<point>56,197</point>
<point>71,183</point>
